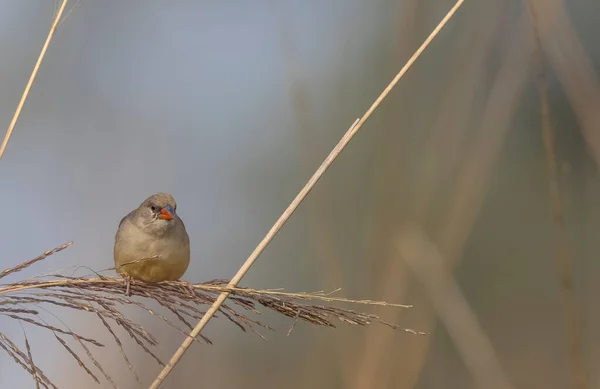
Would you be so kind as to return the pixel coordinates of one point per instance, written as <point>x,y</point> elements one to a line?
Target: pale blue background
<point>230,106</point>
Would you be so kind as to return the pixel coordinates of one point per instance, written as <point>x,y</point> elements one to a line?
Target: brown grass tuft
<point>104,297</point>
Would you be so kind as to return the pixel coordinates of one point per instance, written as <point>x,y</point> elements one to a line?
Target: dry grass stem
<point>325,253</point>
<point>564,258</point>
<point>35,375</point>
<point>34,260</point>
<point>299,198</point>
<point>454,311</point>
<point>13,122</point>
<point>468,192</point>
<point>104,297</point>
<point>566,55</point>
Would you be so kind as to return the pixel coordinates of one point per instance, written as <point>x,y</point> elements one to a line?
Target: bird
<point>151,243</point>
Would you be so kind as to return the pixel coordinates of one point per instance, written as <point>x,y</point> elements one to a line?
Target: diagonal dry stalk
<point>298,200</point>
<point>13,122</point>
<point>446,138</point>
<point>24,265</point>
<point>463,203</point>
<point>432,270</point>
<point>564,257</point>
<point>566,55</point>
<point>325,252</point>
<point>104,297</point>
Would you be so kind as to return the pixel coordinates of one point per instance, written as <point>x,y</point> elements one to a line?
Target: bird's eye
<point>154,208</point>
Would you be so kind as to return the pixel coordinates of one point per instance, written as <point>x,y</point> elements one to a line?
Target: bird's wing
<point>130,214</point>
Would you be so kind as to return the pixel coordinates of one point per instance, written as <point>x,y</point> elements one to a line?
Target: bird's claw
<point>128,286</point>
<point>190,288</point>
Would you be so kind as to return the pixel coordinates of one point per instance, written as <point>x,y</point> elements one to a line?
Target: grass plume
<point>103,296</point>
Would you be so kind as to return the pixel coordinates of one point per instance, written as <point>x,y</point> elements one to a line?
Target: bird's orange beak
<point>165,214</point>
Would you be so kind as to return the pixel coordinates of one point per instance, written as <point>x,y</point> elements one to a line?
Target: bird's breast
<point>151,259</point>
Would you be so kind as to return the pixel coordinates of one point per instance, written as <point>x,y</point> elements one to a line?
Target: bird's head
<point>157,213</point>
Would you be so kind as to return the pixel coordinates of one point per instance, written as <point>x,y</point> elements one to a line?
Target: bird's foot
<point>190,288</point>
<point>128,286</point>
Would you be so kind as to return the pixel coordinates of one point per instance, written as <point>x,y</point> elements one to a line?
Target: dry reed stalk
<point>372,360</point>
<point>321,226</point>
<point>564,257</point>
<point>298,200</point>
<point>472,177</point>
<point>443,145</point>
<point>566,55</point>
<point>104,297</point>
<point>13,122</point>
<point>469,338</point>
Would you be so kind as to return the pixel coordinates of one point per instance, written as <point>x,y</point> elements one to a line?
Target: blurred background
<point>232,105</point>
